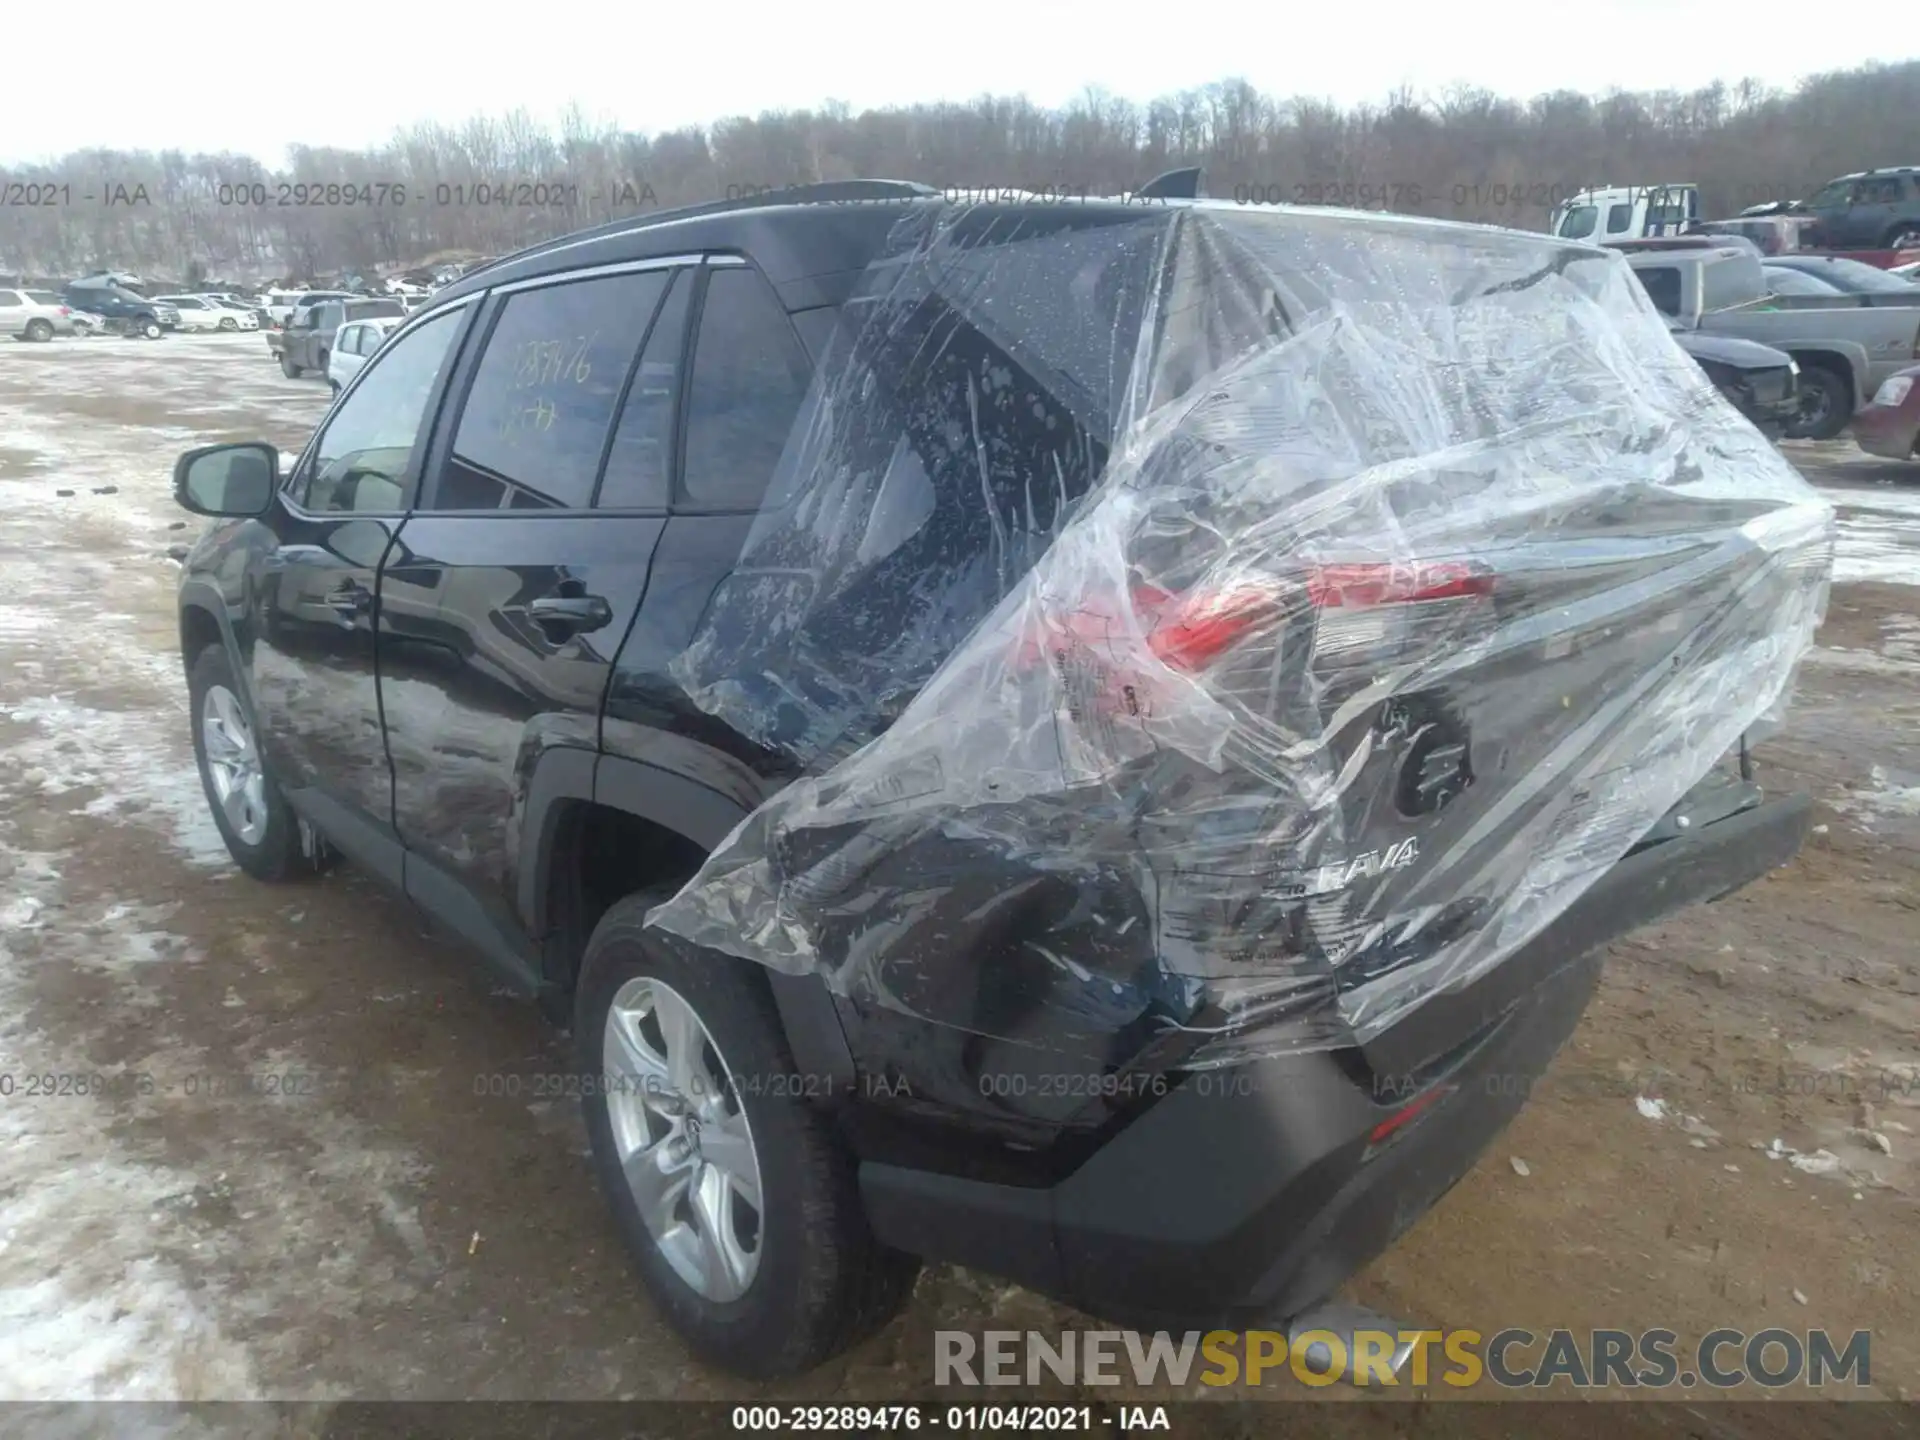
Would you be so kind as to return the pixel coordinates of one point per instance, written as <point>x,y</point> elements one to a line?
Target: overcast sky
<point>651,68</point>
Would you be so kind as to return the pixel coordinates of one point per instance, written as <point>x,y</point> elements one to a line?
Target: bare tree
<point>438,192</point>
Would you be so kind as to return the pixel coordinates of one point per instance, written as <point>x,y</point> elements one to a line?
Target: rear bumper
<point>1252,1193</point>
<point>1887,430</point>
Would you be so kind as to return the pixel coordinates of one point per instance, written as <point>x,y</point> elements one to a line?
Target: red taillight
<point>1189,632</point>
<point>1339,586</point>
<point>65,311</point>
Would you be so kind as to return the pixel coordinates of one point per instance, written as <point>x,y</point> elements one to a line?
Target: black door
<point>507,593</point>
<point>311,671</point>
<point>745,376</point>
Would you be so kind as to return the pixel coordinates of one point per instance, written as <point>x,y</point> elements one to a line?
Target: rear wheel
<point>737,1200</point>
<point>1826,405</point>
<point>288,368</point>
<point>39,331</point>
<point>1903,237</point>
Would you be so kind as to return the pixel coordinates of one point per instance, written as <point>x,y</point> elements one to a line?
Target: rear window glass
<point>1662,284</point>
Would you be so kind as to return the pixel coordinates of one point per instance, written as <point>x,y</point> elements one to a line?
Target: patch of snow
<point>130,759</point>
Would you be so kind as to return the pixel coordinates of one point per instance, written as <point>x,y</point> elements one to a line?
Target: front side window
<point>536,418</point>
<point>749,376</point>
<point>1619,219</point>
<point>360,460</point>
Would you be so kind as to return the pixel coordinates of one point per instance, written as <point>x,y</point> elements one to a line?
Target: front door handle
<point>350,601</point>
<point>571,614</point>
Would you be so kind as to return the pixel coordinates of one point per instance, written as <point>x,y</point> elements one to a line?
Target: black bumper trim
<point>1247,1193</point>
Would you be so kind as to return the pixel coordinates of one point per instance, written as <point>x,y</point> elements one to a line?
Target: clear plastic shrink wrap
<point>1283,613</point>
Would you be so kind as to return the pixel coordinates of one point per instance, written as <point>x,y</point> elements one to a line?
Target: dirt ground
<point>320,1200</point>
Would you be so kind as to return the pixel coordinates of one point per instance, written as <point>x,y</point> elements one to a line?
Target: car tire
<point>288,368</point>
<point>1826,405</point>
<point>151,329</point>
<point>322,366</point>
<point>806,1279</point>
<point>334,385</point>
<point>39,331</point>
<point>1902,237</point>
<point>228,323</point>
<point>261,830</point>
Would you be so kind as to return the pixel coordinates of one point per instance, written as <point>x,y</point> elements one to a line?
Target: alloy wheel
<point>683,1138</point>
<point>233,764</point>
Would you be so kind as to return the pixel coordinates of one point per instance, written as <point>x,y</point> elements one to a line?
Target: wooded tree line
<point>437,190</point>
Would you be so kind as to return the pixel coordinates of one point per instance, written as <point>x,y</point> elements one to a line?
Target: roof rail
<point>829,192</point>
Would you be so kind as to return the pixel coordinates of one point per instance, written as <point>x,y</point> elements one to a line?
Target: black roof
<point>813,242</point>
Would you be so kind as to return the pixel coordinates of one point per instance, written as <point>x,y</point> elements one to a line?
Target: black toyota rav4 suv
<point>1166,930</point>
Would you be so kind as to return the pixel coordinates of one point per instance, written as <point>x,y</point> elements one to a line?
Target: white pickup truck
<point>1626,212</point>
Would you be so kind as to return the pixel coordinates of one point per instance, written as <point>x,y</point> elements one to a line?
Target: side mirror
<point>227,481</point>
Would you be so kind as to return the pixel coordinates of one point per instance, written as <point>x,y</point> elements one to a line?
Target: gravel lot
<point>388,1231</point>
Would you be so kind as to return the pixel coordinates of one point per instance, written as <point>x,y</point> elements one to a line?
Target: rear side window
<point>542,401</point>
<point>640,465</point>
<point>1662,284</point>
<point>9,297</point>
<point>748,378</point>
<point>1619,219</point>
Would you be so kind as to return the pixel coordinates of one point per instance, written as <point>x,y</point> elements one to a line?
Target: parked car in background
<point>1845,350</point>
<point>1773,234</point>
<point>1868,210</point>
<point>1760,382</point>
<point>197,313</point>
<point>1889,424</point>
<point>307,342</point>
<point>1797,283</point>
<point>1850,277</point>
<point>86,323</point>
<point>283,313</point>
<point>353,343</point>
<point>126,312</point>
<point>36,315</point>
<point>244,305</point>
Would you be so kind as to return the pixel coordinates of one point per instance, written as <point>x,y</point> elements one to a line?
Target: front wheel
<point>288,368</point>
<point>737,1201</point>
<point>1826,405</point>
<point>227,322</point>
<point>150,329</point>
<point>260,829</point>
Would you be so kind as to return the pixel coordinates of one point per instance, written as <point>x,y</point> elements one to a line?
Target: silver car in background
<point>354,345</point>
<point>34,315</point>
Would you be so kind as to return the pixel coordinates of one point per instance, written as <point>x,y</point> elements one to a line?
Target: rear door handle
<point>575,614</point>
